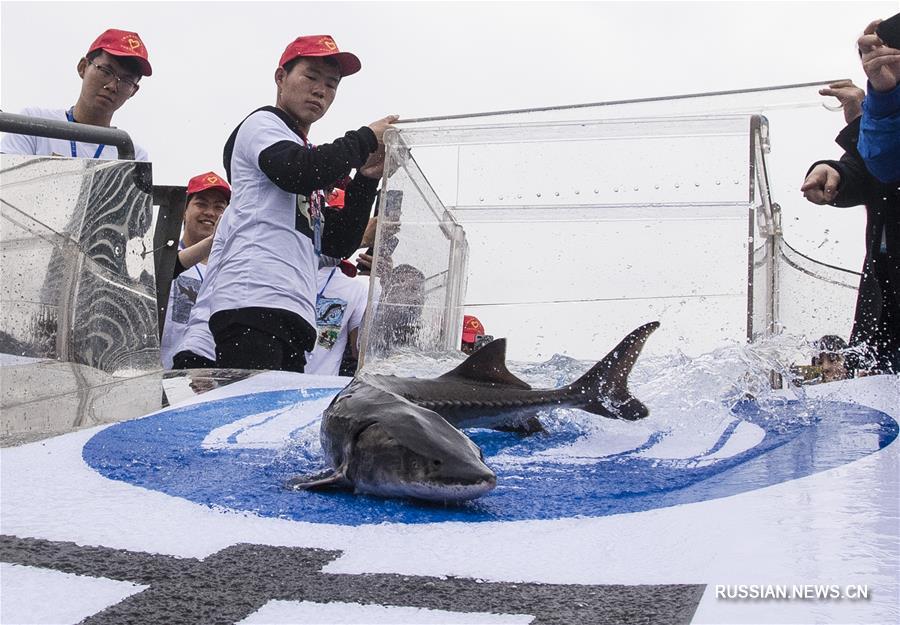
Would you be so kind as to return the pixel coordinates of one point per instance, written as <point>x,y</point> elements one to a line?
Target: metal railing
<point>71,131</point>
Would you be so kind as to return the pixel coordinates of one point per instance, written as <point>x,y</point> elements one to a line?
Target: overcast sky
<point>214,61</point>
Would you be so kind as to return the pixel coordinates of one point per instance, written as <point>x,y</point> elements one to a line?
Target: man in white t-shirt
<point>261,279</point>
<point>110,73</point>
<point>340,307</point>
<point>207,197</point>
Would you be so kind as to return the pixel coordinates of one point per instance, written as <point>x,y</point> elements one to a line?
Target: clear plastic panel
<point>814,299</point>
<point>415,284</point>
<point>600,216</point>
<point>579,232</point>
<point>77,264</point>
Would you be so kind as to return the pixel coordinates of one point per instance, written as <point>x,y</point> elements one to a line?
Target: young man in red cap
<point>207,197</point>
<point>473,336</point>
<point>110,73</point>
<point>261,283</point>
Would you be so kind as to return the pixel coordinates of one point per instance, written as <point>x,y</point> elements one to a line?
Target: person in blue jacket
<point>879,132</point>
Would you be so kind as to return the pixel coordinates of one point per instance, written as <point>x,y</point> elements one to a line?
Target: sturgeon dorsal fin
<point>488,364</point>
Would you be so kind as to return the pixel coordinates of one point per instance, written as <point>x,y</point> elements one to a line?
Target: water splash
<point>692,403</point>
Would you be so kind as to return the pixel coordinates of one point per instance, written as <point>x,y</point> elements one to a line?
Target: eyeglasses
<point>108,74</point>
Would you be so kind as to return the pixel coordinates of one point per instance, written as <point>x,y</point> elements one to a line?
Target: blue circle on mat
<point>163,452</point>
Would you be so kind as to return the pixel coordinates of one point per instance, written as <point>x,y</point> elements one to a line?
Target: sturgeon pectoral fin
<point>531,425</point>
<point>328,479</point>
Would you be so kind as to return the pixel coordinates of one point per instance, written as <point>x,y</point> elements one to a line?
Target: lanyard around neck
<point>70,115</point>
<point>330,276</point>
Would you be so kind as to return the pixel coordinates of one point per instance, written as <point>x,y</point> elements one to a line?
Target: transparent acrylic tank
<point>563,230</point>
<point>76,247</point>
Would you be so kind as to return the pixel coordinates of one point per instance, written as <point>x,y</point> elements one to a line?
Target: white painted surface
<point>834,527</point>
<point>37,596</point>
<point>289,612</point>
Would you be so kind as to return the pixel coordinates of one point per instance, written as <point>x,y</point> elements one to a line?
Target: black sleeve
<point>179,268</point>
<point>857,185</point>
<point>849,136</point>
<point>852,188</point>
<point>343,229</point>
<point>298,169</point>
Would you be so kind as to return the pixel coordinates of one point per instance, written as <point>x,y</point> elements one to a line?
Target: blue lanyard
<point>70,115</point>
<point>331,275</point>
<point>196,267</point>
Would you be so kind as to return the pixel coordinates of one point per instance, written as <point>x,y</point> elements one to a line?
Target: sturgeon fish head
<point>404,450</point>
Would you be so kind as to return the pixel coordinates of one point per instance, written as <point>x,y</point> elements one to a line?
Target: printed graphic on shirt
<point>308,211</point>
<point>329,317</point>
<point>304,222</point>
<point>186,289</point>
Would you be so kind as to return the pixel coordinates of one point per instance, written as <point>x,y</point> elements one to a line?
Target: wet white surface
<point>38,596</point>
<point>288,612</point>
<point>836,527</point>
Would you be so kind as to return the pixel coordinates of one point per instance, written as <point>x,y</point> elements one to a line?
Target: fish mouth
<point>438,490</point>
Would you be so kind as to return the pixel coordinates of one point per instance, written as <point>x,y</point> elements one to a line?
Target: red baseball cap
<point>335,199</point>
<point>471,328</point>
<point>209,180</point>
<point>123,43</point>
<point>320,45</point>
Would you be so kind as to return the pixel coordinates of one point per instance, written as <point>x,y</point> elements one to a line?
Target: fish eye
<point>436,462</point>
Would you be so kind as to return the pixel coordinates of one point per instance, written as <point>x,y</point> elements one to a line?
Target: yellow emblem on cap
<point>212,179</point>
<point>133,43</point>
<point>328,42</point>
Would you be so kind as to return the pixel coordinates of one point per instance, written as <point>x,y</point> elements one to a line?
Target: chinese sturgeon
<point>401,437</point>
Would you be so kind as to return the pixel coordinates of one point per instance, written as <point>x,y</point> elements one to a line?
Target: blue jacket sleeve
<point>879,133</point>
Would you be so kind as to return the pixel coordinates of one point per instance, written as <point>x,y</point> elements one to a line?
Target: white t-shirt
<point>182,297</point>
<point>45,146</point>
<point>340,307</point>
<point>259,258</point>
<point>197,336</point>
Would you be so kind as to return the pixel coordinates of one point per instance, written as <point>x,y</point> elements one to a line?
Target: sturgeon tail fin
<point>604,389</point>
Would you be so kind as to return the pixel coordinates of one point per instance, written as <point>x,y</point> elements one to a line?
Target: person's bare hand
<point>364,264</point>
<point>820,186</point>
<point>379,127</point>
<point>368,239</point>
<point>849,95</point>
<point>881,63</point>
<point>374,165</point>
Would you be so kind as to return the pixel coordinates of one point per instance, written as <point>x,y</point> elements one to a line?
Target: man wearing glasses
<point>110,73</point>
